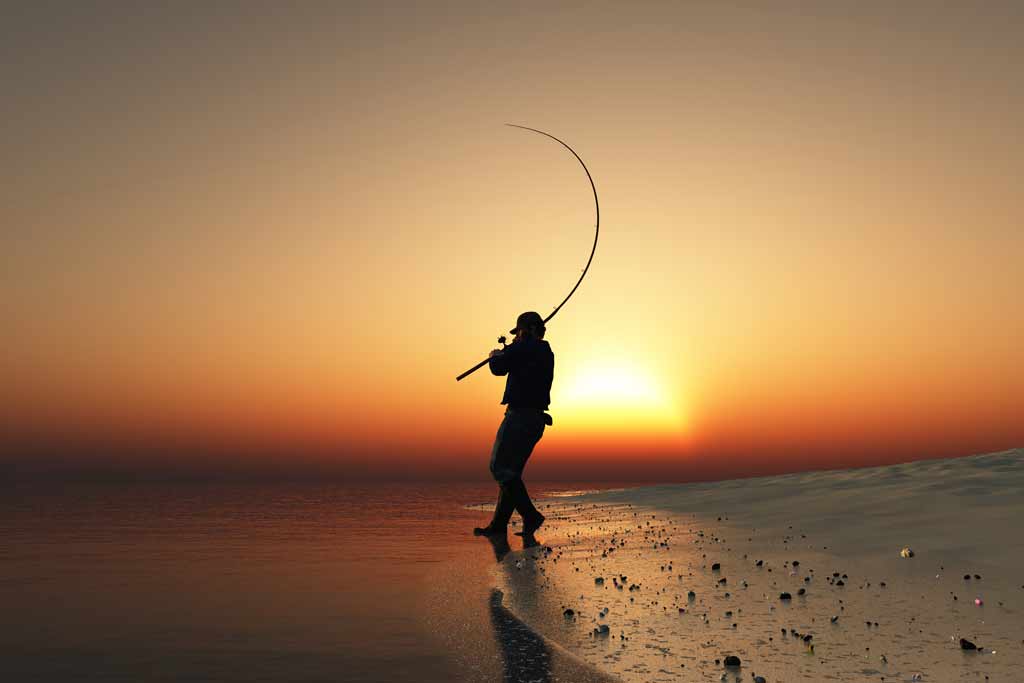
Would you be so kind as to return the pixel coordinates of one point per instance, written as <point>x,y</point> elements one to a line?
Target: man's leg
<point>532,518</point>
<point>513,445</point>
<point>503,508</point>
<point>505,505</point>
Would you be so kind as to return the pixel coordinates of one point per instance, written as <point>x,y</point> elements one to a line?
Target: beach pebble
<point>834,619</point>
<point>785,596</point>
<point>906,552</point>
<point>978,602</point>
<point>967,645</point>
<point>801,591</point>
<point>569,614</point>
<point>732,660</point>
<point>715,567</point>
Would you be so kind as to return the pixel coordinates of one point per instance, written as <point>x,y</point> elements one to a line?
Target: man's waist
<point>533,412</point>
<point>518,408</point>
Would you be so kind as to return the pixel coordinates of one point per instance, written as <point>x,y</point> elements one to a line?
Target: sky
<point>269,235</point>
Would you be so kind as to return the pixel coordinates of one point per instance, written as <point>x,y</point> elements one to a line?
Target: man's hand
<point>494,352</point>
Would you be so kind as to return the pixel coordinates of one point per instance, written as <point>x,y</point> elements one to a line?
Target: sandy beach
<point>800,576</point>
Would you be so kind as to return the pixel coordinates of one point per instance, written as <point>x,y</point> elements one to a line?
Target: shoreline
<point>628,559</point>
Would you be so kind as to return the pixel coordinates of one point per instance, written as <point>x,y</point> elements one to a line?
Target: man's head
<point>529,323</point>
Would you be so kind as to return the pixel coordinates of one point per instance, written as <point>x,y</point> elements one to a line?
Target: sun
<point>617,395</point>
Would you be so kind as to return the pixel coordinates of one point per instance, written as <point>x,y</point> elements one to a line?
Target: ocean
<point>259,582</point>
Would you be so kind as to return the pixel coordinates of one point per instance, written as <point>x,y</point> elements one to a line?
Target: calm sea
<point>250,582</point>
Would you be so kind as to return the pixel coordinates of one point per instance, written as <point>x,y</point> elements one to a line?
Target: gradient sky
<point>275,232</point>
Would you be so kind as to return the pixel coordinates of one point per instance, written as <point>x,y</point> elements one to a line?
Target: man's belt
<point>546,416</point>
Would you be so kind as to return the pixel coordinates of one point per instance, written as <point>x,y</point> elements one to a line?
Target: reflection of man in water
<point>524,654</point>
<point>529,364</point>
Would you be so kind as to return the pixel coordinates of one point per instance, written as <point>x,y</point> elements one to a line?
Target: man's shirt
<point>530,366</point>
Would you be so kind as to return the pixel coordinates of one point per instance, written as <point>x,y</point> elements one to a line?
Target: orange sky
<point>276,234</point>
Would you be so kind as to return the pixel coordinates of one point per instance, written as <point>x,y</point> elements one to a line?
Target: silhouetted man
<point>529,364</point>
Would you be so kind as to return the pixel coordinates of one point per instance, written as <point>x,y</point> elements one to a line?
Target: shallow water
<point>175,582</point>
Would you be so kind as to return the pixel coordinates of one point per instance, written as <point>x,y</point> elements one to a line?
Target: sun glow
<point>616,395</point>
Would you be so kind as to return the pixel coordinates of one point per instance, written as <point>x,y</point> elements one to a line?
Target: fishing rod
<point>597,231</point>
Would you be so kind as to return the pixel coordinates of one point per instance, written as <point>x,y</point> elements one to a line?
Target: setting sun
<point>614,394</point>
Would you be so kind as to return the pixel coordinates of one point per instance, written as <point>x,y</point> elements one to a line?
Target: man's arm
<point>503,360</point>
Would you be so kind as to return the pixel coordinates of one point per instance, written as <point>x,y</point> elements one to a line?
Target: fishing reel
<point>501,340</point>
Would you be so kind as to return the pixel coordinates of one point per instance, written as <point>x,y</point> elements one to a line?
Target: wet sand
<point>683,576</point>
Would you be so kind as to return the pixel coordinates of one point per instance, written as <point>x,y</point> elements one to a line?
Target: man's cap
<point>526,319</point>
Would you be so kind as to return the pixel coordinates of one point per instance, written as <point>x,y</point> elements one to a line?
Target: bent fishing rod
<point>597,231</point>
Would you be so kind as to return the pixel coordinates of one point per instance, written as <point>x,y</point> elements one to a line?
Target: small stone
<point>716,567</point>
<point>978,602</point>
<point>732,660</point>
<point>569,614</point>
<point>759,679</point>
<point>967,645</point>
<point>599,581</point>
<point>907,552</point>
<point>834,619</point>
<point>785,596</point>
<point>802,591</point>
